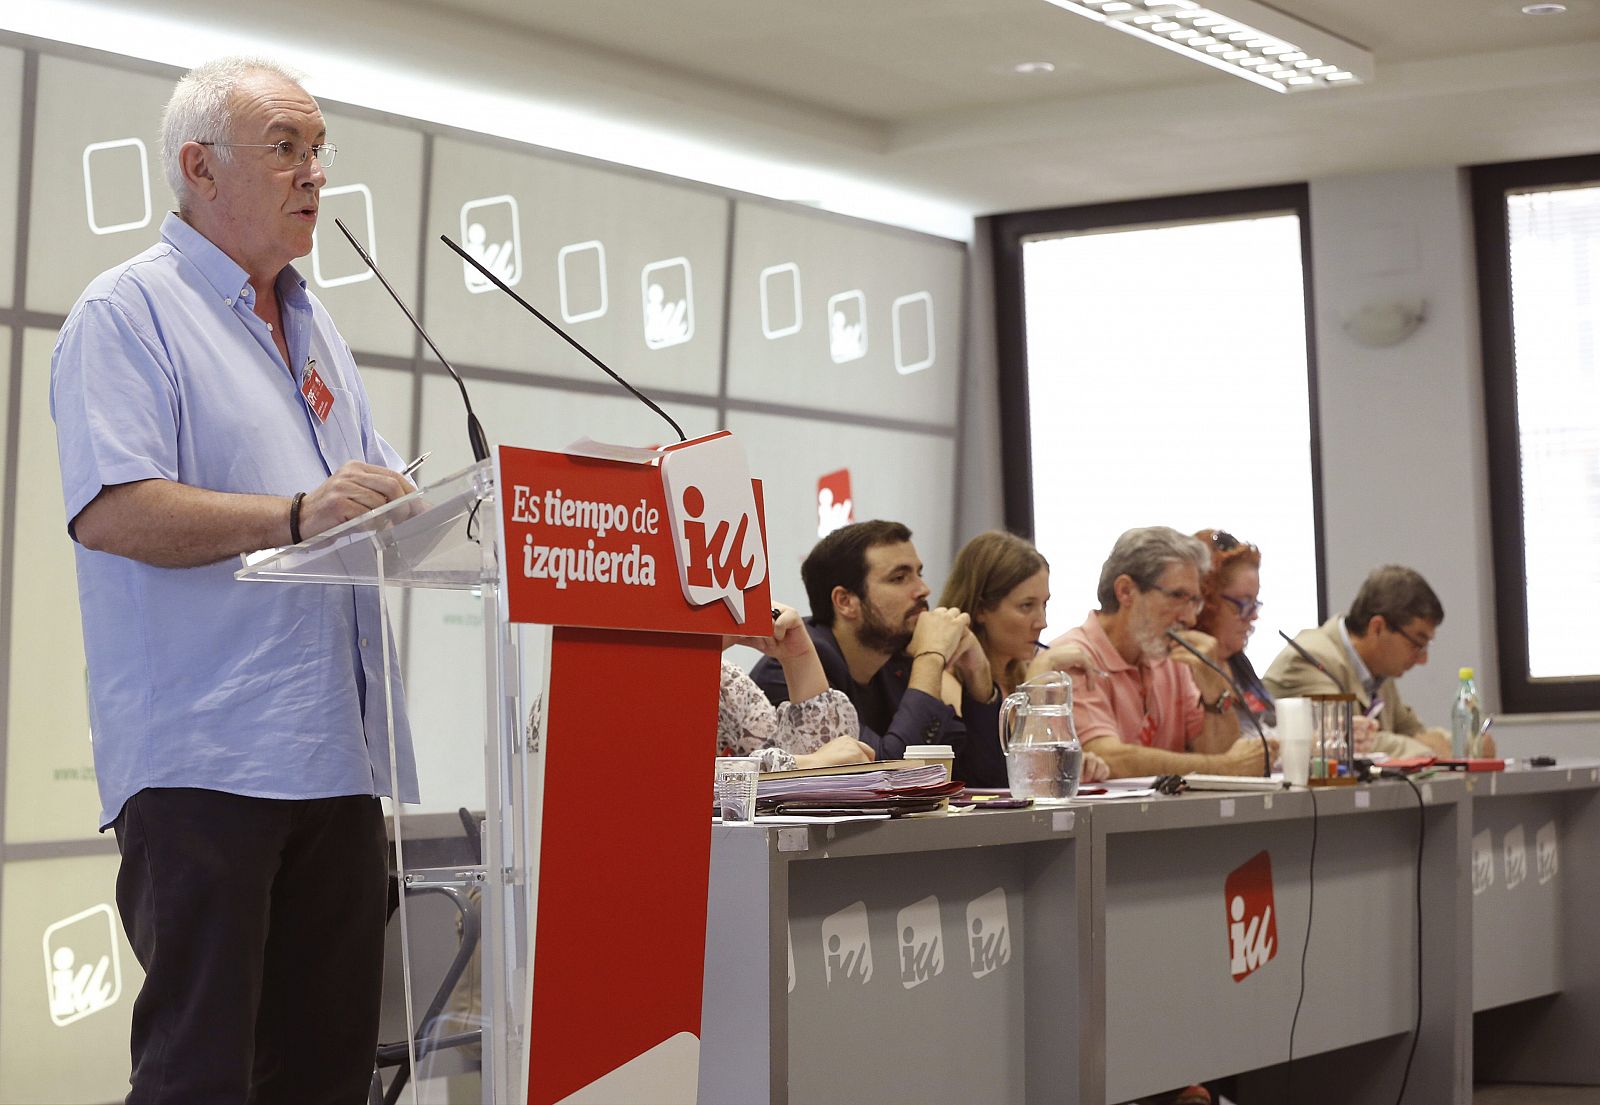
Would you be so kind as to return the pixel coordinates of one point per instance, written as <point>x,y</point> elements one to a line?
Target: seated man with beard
<point>1156,711</point>
<point>881,645</point>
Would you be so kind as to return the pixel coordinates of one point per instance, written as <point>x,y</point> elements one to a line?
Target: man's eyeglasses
<point>1420,646</point>
<point>1184,598</point>
<point>1246,607</point>
<point>287,154</point>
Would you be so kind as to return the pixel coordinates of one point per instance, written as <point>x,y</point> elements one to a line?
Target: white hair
<point>201,110</point>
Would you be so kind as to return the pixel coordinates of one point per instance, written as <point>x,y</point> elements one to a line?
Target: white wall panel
<point>50,782</point>
<point>842,316</point>
<point>10,135</point>
<point>375,187</point>
<point>5,420</point>
<point>583,244</point>
<point>903,477</point>
<point>98,196</point>
<point>57,1053</point>
<point>1404,466</point>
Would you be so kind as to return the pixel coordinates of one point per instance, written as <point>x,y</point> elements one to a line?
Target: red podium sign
<point>641,567</point>
<point>599,543</point>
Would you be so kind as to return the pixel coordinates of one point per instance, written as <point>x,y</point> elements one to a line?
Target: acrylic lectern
<point>620,571</point>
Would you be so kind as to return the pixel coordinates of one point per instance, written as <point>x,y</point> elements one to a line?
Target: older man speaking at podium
<point>206,406</point>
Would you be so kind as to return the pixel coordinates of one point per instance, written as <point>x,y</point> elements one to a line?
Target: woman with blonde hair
<point>1003,583</point>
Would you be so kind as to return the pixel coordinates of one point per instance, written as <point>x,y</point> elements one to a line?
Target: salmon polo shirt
<point>1156,705</point>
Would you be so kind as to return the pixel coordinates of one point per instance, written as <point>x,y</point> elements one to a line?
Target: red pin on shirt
<point>317,394</point>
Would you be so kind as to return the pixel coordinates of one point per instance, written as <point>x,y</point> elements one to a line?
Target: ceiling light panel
<point>1208,35</point>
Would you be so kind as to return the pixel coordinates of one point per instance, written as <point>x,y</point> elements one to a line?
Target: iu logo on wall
<point>83,971</point>
<point>1252,920</point>
<point>835,506</point>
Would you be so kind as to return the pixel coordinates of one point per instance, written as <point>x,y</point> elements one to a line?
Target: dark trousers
<point>259,925</point>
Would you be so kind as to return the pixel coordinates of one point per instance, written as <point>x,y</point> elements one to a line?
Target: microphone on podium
<point>568,338</point>
<point>480,444</point>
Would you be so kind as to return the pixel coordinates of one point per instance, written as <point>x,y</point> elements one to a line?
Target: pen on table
<point>411,468</point>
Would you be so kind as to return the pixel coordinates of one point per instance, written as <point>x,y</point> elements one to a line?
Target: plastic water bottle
<point>1465,718</point>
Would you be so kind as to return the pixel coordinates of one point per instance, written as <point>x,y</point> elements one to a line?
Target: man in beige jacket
<point>1387,632</point>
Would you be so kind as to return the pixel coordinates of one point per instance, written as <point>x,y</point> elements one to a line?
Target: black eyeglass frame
<point>1420,646</point>
<point>1245,607</point>
<point>1193,601</point>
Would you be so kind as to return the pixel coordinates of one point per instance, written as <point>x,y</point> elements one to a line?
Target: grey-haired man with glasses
<point>1149,714</point>
<point>206,406</point>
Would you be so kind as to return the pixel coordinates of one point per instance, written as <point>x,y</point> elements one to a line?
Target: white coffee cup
<point>934,754</point>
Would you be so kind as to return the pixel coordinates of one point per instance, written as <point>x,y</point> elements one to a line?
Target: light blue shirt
<point>270,690</point>
<point>1369,682</point>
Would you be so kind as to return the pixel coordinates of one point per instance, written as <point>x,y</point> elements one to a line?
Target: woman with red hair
<point>1232,594</point>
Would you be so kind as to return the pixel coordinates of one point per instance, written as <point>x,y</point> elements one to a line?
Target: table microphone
<point>480,444</point>
<point>568,338</point>
<point>1238,695</point>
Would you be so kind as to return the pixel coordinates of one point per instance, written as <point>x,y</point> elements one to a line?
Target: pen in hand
<point>409,470</point>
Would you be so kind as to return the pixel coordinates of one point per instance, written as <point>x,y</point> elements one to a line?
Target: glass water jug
<point>1044,760</point>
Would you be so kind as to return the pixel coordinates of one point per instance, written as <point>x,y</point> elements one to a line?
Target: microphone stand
<point>1238,696</point>
<point>568,338</point>
<point>1314,662</point>
<point>480,444</point>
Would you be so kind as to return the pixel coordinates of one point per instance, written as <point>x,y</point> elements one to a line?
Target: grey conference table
<point>925,959</point>
<point>1115,975</point>
<point>1534,873</point>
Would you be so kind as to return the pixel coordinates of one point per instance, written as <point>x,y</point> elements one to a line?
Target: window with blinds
<point>1555,311</point>
<point>1538,238</point>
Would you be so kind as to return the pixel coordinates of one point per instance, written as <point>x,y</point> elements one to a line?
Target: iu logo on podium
<point>847,945</point>
<point>921,942</point>
<point>989,932</point>
<point>715,527</point>
<point>1252,924</point>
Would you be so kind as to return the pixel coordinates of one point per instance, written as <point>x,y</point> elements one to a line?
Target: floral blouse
<point>747,722</point>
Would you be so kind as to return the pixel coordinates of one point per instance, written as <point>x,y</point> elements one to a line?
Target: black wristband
<point>294,517</point>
